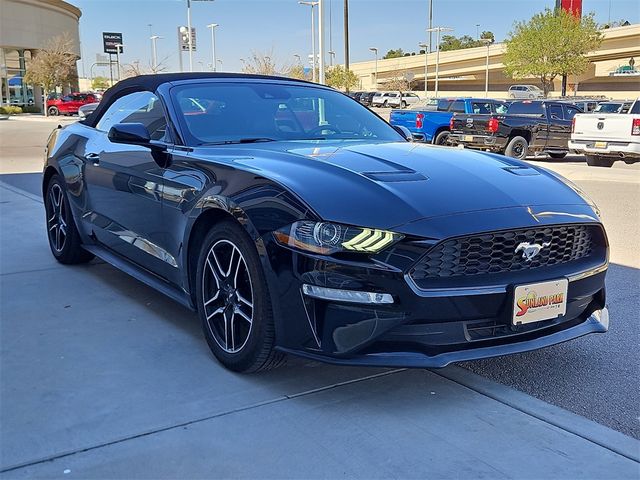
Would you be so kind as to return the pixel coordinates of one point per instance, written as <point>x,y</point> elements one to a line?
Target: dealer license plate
<point>600,145</point>
<point>468,138</point>
<point>539,301</point>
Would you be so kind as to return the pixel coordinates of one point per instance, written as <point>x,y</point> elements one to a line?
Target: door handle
<point>92,157</point>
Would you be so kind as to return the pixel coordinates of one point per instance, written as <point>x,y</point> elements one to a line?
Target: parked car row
<point>386,99</point>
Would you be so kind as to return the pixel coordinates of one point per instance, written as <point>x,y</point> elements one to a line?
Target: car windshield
<point>219,113</point>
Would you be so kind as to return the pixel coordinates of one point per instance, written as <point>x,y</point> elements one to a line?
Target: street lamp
<point>487,42</point>
<point>295,55</point>
<point>375,51</point>
<point>154,51</point>
<point>438,30</point>
<point>213,26</point>
<point>425,47</point>
<point>477,31</point>
<point>313,36</point>
<point>190,39</point>
<point>332,56</point>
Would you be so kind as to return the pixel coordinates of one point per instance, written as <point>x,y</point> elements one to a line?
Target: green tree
<point>394,53</point>
<point>339,77</point>
<point>54,65</point>
<point>100,83</point>
<point>488,35</point>
<point>549,45</point>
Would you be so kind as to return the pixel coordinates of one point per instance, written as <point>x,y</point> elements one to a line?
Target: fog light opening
<point>352,296</point>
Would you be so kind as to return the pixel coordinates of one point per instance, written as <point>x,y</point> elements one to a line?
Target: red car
<point>69,104</point>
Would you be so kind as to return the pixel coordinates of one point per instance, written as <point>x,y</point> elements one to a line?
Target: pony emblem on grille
<point>530,250</point>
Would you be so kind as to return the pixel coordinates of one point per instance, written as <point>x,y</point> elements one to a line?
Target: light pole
<point>213,26</point>
<point>375,51</point>
<point>332,57</point>
<point>477,31</point>
<point>154,51</point>
<point>425,47</point>
<point>438,30</point>
<point>118,50</point>
<point>313,38</point>
<point>295,55</point>
<point>220,62</point>
<point>487,42</point>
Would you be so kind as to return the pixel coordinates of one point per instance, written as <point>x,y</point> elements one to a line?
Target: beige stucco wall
<point>462,72</point>
<point>29,24</point>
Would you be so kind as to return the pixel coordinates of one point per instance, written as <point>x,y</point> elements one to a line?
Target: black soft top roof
<point>150,83</point>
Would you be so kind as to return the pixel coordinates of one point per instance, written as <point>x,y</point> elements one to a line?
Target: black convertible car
<point>295,220</point>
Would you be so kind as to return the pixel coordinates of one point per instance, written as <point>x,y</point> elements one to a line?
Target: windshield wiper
<point>242,140</point>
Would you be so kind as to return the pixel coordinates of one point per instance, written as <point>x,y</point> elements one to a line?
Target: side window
<point>443,105</point>
<point>457,106</point>
<point>67,98</point>
<point>481,107</point>
<point>569,112</point>
<point>555,112</point>
<point>138,107</point>
<point>636,107</point>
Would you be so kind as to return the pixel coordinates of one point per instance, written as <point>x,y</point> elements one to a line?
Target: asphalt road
<point>595,376</point>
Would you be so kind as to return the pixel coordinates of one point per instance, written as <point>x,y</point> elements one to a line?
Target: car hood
<point>386,185</point>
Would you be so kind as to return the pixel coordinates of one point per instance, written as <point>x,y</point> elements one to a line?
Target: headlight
<point>327,238</point>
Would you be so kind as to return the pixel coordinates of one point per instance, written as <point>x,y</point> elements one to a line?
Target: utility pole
<point>321,45</point>
<point>313,38</point>
<point>346,37</point>
<point>487,42</point>
<point>213,26</point>
<point>430,25</point>
<point>438,30</point>
<point>425,47</point>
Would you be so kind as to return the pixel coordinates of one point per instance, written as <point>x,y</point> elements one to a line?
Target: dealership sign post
<point>112,43</point>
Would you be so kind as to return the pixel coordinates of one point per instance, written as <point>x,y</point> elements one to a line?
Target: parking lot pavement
<point>103,377</point>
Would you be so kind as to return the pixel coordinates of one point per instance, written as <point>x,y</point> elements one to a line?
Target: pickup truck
<point>432,124</point>
<point>605,138</point>
<point>528,126</point>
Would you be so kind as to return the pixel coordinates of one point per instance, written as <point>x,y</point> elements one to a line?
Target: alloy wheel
<point>227,296</point>
<point>57,218</point>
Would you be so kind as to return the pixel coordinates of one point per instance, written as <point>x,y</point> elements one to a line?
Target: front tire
<point>64,239</point>
<point>53,111</point>
<point>597,161</point>
<point>517,148</point>
<point>233,301</point>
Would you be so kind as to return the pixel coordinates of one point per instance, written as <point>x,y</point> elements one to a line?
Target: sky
<point>282,28</point>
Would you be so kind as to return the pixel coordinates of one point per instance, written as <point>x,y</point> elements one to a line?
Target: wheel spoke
<point>58,239</point>
<point>243,315</point>
<point>244,300</point>
<point>228,272</point>
<point>215,312</point>
<point>55,225</point>
<point>212,299</point>
<point>219,273</point>
<point>233,334</point>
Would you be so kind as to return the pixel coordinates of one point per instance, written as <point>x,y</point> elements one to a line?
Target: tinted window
<point>138,107</point>
<point>570,111</point>
<point>525,108</point>
<point>555,112</point>
<point>481,107</point>
<point>240,111</point>
<point>636,107</point>
<point>443,105</point>
<point>608,107</point>
<point>500,108</point>
<point>457,106</point>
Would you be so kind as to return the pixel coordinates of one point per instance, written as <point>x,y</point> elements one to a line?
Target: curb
<point>606,437</point>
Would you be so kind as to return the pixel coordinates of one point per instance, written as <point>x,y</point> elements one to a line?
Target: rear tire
<point>404,104</point>
<point>233,301</point>
<point>53,111</point>
<point>441,138</point>
<point>517,148</point>
<point>558,156</point>
<point>597,161</point>
<point>64,239</point>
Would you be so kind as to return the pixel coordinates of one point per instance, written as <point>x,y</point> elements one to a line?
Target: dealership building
<point>612,72</point>
<point>25,27</point>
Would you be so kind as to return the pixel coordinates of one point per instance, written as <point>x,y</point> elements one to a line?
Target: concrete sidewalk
<point>102,377</point>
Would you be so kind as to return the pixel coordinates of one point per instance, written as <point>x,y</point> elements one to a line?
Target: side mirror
<point>404,131</point>
<point>130,133</point>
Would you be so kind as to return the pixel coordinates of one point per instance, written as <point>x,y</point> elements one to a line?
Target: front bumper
<point>421,328</point>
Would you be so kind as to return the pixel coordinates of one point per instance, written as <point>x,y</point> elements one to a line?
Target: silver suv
<point>525,91</point>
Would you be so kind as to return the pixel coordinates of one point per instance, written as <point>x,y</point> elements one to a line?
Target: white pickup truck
<point>605,138</point>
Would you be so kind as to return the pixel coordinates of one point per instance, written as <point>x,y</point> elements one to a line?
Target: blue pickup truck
<point>432,123</point>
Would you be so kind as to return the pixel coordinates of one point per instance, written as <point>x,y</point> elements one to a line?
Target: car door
<point>124,184</point>
<point>559,127</point>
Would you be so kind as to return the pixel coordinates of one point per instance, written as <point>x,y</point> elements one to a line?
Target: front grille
<point>495,253</point>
